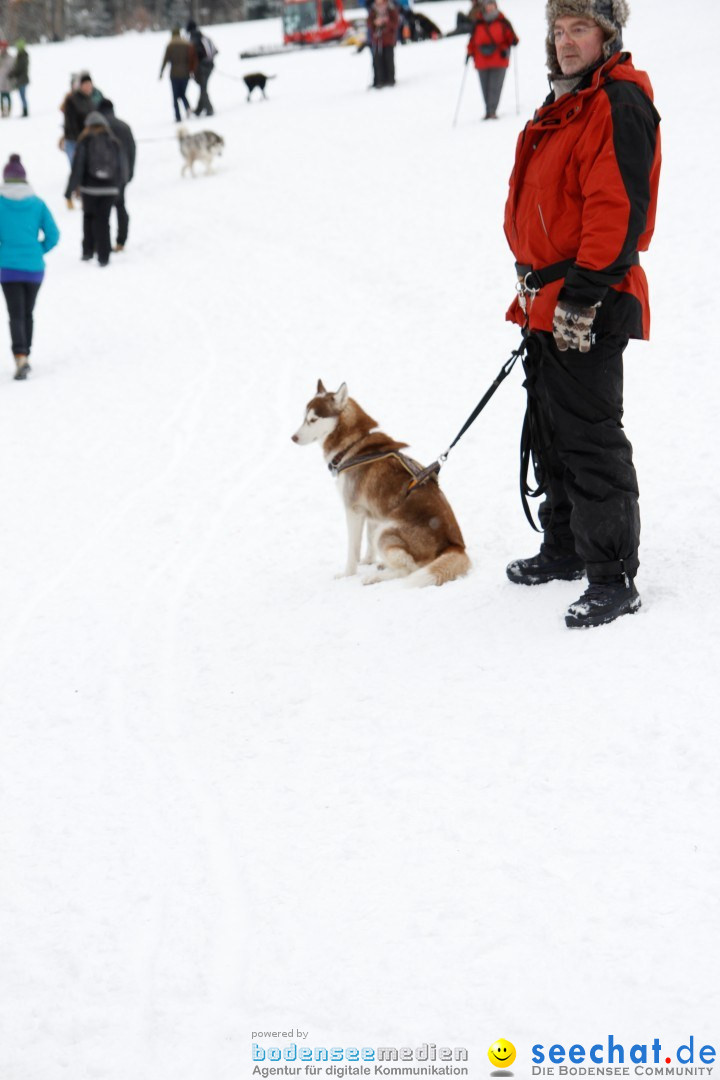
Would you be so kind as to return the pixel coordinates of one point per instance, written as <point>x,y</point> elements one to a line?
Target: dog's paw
<point>343,574</point>
<point>373,579</point>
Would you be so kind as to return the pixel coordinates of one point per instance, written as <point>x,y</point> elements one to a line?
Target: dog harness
<point>337,465</point>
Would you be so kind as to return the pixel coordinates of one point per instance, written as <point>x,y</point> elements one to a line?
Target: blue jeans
<point>179,93</point>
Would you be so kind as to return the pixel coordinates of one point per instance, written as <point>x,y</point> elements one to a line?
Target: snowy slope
<point>238,794</point>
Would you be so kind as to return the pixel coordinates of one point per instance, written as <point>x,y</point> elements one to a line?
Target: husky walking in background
<point>201,146</point>
<point>411,533</point>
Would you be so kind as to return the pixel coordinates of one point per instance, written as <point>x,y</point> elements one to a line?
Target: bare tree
<point>53,20</point>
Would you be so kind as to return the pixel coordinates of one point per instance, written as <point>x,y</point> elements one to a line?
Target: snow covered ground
<point>238,794</point>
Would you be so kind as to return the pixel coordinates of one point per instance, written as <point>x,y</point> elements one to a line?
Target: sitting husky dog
<point>413,533</point>
<point>201,146</point>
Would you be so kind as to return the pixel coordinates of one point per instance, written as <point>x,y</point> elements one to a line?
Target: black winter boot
<point>548,565</point>
<point>602,602</point>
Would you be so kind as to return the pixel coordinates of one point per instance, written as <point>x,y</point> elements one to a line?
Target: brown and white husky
<point>411,533</point>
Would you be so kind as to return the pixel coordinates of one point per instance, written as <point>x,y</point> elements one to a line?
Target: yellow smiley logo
<point>502,1053</point>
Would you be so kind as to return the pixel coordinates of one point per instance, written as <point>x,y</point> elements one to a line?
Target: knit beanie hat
<point>13,173</point>
<point>94,118</point>
<point>610,15</point>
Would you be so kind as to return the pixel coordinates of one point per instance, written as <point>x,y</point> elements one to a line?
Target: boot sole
<point>22,373</point>
<point>580,622</point>
<point>541,579</point>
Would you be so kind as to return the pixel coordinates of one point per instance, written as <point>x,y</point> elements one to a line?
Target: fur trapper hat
<point>611,15</point>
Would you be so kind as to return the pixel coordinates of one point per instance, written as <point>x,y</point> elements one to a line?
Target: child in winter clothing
<point>27,232</point>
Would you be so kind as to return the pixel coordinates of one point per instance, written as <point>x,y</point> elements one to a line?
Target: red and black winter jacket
<point>584,187</point>
<point>383,27</point>
<point>490,42</point>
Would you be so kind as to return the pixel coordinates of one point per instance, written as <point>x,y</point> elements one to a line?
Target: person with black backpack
<point>99,173</point>
<point>206,52</point>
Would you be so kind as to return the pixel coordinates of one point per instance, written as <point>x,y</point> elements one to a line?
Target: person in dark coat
<point>98,173</point>
<point>182,58</point>
<point>205,65</point>
<point>20,73</point>
<point>75,108</point>
<point>382,29</point>
<point>124,135</point>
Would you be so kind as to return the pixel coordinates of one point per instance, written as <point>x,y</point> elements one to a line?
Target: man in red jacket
<point>489,46</point>
<point>581,206</point>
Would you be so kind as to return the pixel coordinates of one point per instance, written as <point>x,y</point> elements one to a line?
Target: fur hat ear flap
<point>341,396</point>
<point>610,15</point>
<point>320,388</point>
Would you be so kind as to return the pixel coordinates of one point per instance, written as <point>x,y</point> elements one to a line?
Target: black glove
<point>572,325</point>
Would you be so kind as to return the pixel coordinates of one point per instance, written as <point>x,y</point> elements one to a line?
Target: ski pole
<point>462,87</point>
<point>517,83</point>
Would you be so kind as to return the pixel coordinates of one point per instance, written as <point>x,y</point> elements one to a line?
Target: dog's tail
<point>453,563</point>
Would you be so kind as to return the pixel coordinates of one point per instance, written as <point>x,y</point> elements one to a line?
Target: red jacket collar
<point>561,112</point>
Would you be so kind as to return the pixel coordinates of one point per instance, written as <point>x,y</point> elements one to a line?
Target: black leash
<point>534,441</point>
<point>505,370</point>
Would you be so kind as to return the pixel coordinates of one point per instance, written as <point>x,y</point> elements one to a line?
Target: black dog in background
<point>256,81</point>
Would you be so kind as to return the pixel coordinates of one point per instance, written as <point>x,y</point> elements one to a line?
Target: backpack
<point>209,46</point>
<point>102,158</point>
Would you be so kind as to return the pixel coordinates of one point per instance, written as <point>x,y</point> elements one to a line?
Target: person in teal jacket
<point>27,232</point>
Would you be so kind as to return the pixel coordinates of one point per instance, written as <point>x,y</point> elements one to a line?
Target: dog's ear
<point>341,396</point>
<point>321,389</point>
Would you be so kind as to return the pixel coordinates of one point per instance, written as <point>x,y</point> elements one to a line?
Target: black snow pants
<point>203,73</point>
<point>575,408</point>
<point>20,297</point>
<point>123,218</point>
<point>383,65</point>
<point>96,226</point>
